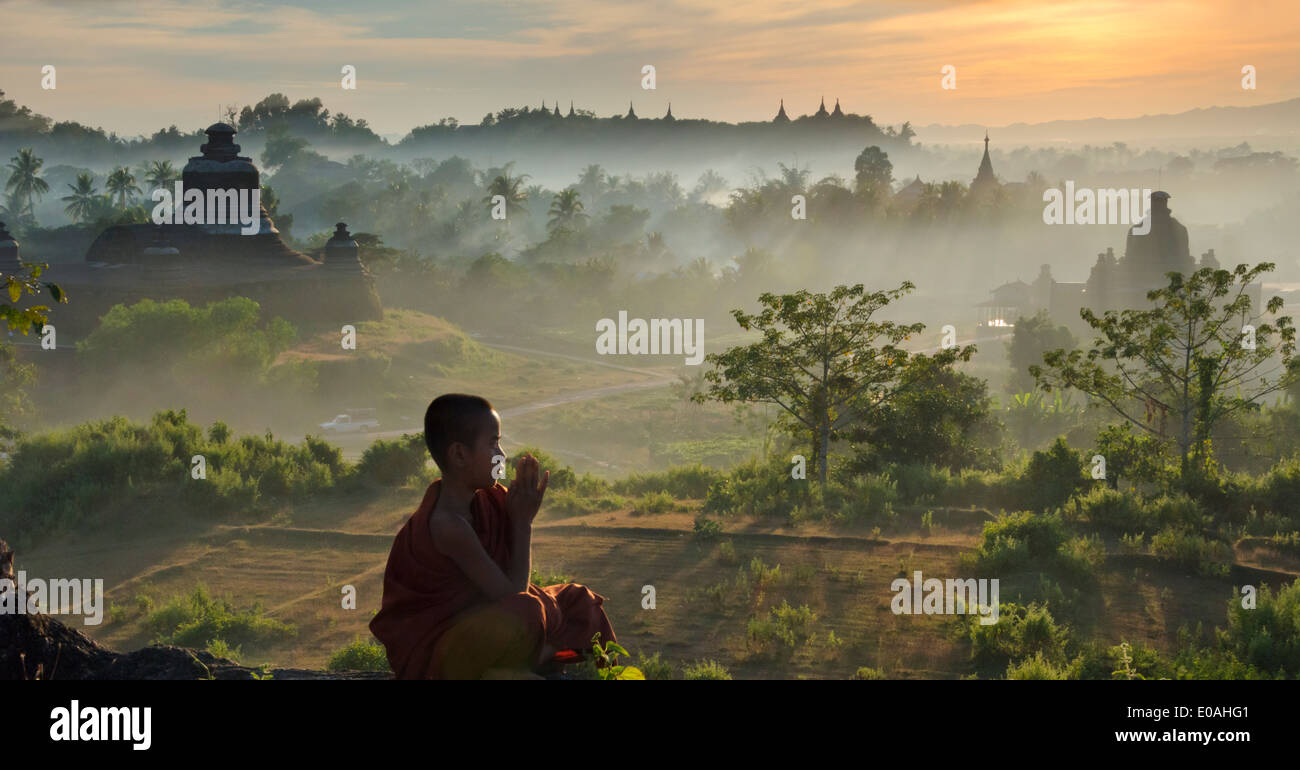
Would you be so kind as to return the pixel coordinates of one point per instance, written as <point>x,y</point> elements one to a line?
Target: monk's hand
<point>524,498</point>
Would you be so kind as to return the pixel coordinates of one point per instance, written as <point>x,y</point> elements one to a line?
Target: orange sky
<point>137,66</point>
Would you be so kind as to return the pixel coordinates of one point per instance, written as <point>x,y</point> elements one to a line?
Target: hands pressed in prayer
<point>524,497</point>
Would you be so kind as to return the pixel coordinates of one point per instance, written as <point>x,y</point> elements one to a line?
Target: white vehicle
<point>352,421</point>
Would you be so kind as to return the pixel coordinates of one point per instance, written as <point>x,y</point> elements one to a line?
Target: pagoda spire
<point>821,111</point>
<point>838,113</point>
<point>781,117</point>
<point>571,113</point>
<point>984,178</point>
<point>669,116</point>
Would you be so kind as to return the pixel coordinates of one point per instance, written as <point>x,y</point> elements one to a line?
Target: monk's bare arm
<point>454,537</point>
<point>521,555</point>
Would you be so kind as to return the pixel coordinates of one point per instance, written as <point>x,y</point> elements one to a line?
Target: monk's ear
<point>456,454</point>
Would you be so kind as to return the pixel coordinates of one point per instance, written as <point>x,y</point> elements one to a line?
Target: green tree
<point>161,174</point>
<point>83,202</point>
<point>566,210</point>
<point>121,183</point>
<point>1030,339</point>
<point>873,171</point>
<point>1187,358</point>
<point>25,183</point>
<point>508,187</point>
<point>822,360</point>
<point>15,379</point>
<point>942,417</point>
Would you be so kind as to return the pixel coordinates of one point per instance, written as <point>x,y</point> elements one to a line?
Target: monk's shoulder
<point>448,531</point>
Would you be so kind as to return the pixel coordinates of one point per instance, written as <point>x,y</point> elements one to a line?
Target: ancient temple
<point>781,117</point>
<point>837,113</point>
<point>1114,283</point>
<point>669,117</point>
<point>631,113</point>
<point>202,263</point>
<point>821,111</point>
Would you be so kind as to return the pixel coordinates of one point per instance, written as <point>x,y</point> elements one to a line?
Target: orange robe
<point>436,624</point>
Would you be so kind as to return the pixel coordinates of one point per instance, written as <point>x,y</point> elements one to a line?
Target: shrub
<point>653,502</point>
<point>1082,556</point>
<point>1037,667</point>
<point>653,667</point>
<point>1268,636</point>
<point>196,619</point>
<point>785,624</point>
<point>391,463</point>
<point>1052,477</point>
<point>705,669</point>
<point>1189,549</point>
<point>1108,510</point>
<point>220,649</point>
<point>706,528</point>
<point>360,655</point>
<point>690,481</point>
<point>864,672</point>
<point>1013,540</point>
<point>1021,631</point>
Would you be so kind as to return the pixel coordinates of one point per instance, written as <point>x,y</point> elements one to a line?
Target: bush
<point>1021,632</point>
<point>1014,540</point>
<point>63,479</point>
<point>196,619</point>
<point>653,667</point>
<point>1037,667</point>
<point>705,669</point>
<point>653,502</point>
<point>1052,477</point>
<point>706,528</point>
<point>682,482</point>
<point>1082,556</point>
<point>1278,490</point>
<point>1108,510</point>
<point>864,672</point>
<point>391,463</point>
<point>1268,636</point>
<point>360,655</point>
<point>787,625</point>
<point>1186,548</point>
<point>220,649</point>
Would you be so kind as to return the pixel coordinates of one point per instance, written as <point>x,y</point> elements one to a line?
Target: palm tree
<point>566,210</point>
<point>121,183</point>
<point>81,203</point>
<point>591,182</point>
<point>160,174</point>
<point>508,187</point>
<point>25,182</point>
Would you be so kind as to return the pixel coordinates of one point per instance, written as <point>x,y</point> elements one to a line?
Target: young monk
<point>457,603</point>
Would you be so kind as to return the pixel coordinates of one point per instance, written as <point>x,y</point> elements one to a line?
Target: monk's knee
<point>526,607</point>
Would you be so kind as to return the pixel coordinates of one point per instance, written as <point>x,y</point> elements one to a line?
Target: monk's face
<point>487,446</point>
